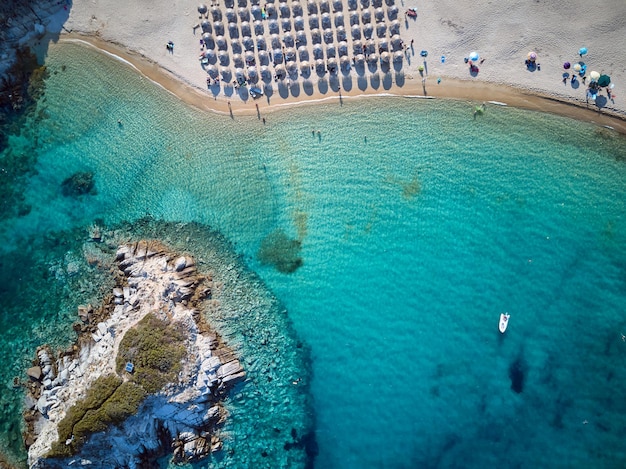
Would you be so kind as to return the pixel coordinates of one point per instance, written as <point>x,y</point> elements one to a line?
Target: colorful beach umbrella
<point>604,80</point>
<point>532,56</point>
<point>577,67</point>
<point>474,56</point>
<point>582,51</point>
<point>594,75</point>
<point>567,65</point>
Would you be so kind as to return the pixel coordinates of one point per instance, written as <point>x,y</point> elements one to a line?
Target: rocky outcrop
<point>182,418</point>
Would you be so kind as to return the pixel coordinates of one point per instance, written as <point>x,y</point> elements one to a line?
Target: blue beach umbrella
<point>582,51</point>
<point>474,56</point>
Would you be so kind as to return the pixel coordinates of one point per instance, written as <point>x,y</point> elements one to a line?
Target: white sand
<point>503,32</point>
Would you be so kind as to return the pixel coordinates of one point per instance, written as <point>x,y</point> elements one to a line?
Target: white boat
<point>504,321</point>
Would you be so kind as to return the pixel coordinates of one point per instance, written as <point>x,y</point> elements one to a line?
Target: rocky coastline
<point>182,418</point>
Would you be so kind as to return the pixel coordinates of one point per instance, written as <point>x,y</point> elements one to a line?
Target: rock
<point>180,263</point>
<point>229,368</point>
<point>35,373</point>
<point>102,328</point>
<point>118,292</point>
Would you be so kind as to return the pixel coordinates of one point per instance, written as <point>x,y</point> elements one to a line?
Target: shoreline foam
<point>457,89</point>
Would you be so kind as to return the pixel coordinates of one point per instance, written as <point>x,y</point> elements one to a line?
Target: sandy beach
<point>503,35</point>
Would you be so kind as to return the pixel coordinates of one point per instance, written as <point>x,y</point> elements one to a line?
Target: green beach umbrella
<point>604,80</point>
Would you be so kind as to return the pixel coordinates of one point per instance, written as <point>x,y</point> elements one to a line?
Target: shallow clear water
<point>418,226</point>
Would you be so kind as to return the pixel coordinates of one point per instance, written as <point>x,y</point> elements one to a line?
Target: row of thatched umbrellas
<point>313,7</point>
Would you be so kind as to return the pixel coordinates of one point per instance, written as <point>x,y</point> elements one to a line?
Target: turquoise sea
<point>416,224</point>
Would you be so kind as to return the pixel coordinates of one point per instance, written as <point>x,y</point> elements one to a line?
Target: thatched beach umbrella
<point>212,71</point>
<point>298,23</point>
<point>343,48</point>
<point>381,29</point>
<point>367,31</point>
<point>318,52</point>
<point>216,14</point>
<point>395,40</point>
<point>314,21</point>
<point>345,62</point>
<point>288,39</point>
<point>324,6</point>
<point>360,58</point>
<point>337,5</point>
<point>316,36</point>
<point>356,32</point>
<point>328,36</point>
<point>370,46</point>
<point>249,56</point>
<point>224,58</point>
<point>245,29</point>
<point>276,41</point>
<point>237,60</point>
<point>301,38</point>
<point>253,75</point>
<point>285,12</point>
<point>354,18</point>
<point>286,24</point>
<point>311,7</point>
<point>383,44</point>
<point>209,54</point>
<point>263,57</point>
<point>384,57</point>
<point>296,8</point>
<point>236,47</point>
<point>233,30</point>
<point>258,28</point>
<point>331,50</point>
<point>290,54</point>
<point>270,10</point>
<point>202,8</point>
<point>373,57</point>
<point>398,56</point>
<point>352,5</point>
<point>292,67</point>
<point>218,26</point>
<point>278,56</point>
<point>272,25</point>
<point>239,73</point>
<point>266,75</point>
<point>341,34</point>
<point>226,73</point>
<point>257,13</point>
<point>206,26</point>
<point>231,16</point>
<point>332,63</point>
<point>244,14</point>
<point>392,12</point>
<point>357,47</point>
<point>305,67</point>
<point>221,42</point>
<point>339,19</point>
<point>366,16</point>
<point>379,14</point>
<point>207,37</point>
<point>260,43</point>
<point>320,66</point>
<point>303,53</point>
<point>394,27</point>
<point>326,23</point>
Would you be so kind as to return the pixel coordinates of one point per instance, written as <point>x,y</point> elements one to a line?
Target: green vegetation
<point>156,349</point>
<point>108,401</point>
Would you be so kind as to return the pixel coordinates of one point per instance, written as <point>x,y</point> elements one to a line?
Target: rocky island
<point>147,375</point>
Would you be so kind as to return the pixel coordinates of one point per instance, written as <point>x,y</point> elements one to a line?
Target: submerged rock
<point>80,183</point>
